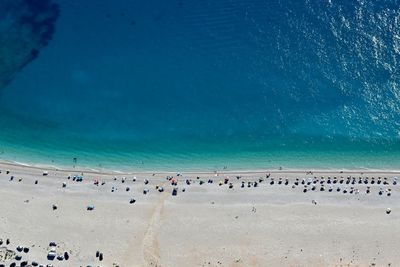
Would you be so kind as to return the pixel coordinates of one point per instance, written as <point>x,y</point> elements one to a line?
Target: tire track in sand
<point>151,248</point>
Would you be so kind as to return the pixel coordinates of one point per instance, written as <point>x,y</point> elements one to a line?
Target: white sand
<point>208,225</point>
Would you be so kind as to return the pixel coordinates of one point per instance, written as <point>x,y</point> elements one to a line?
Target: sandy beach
<point>224,219</point>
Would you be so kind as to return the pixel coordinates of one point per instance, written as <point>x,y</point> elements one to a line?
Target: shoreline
<point>106,171</point>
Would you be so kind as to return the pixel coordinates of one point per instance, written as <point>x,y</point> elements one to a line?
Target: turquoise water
<point>210,84</point>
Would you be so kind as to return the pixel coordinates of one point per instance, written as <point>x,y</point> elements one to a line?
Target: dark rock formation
<point>26,26</point>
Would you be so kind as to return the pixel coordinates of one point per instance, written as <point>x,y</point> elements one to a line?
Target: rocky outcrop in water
<point>26,26</point>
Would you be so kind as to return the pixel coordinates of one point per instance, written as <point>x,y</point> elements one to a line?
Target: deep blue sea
<point>206,84</point>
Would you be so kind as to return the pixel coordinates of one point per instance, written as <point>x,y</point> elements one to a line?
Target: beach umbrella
<point>51,255</point>
<point>174,192</point>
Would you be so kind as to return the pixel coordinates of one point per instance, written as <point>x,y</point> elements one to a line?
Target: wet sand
<point>207,225</point>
